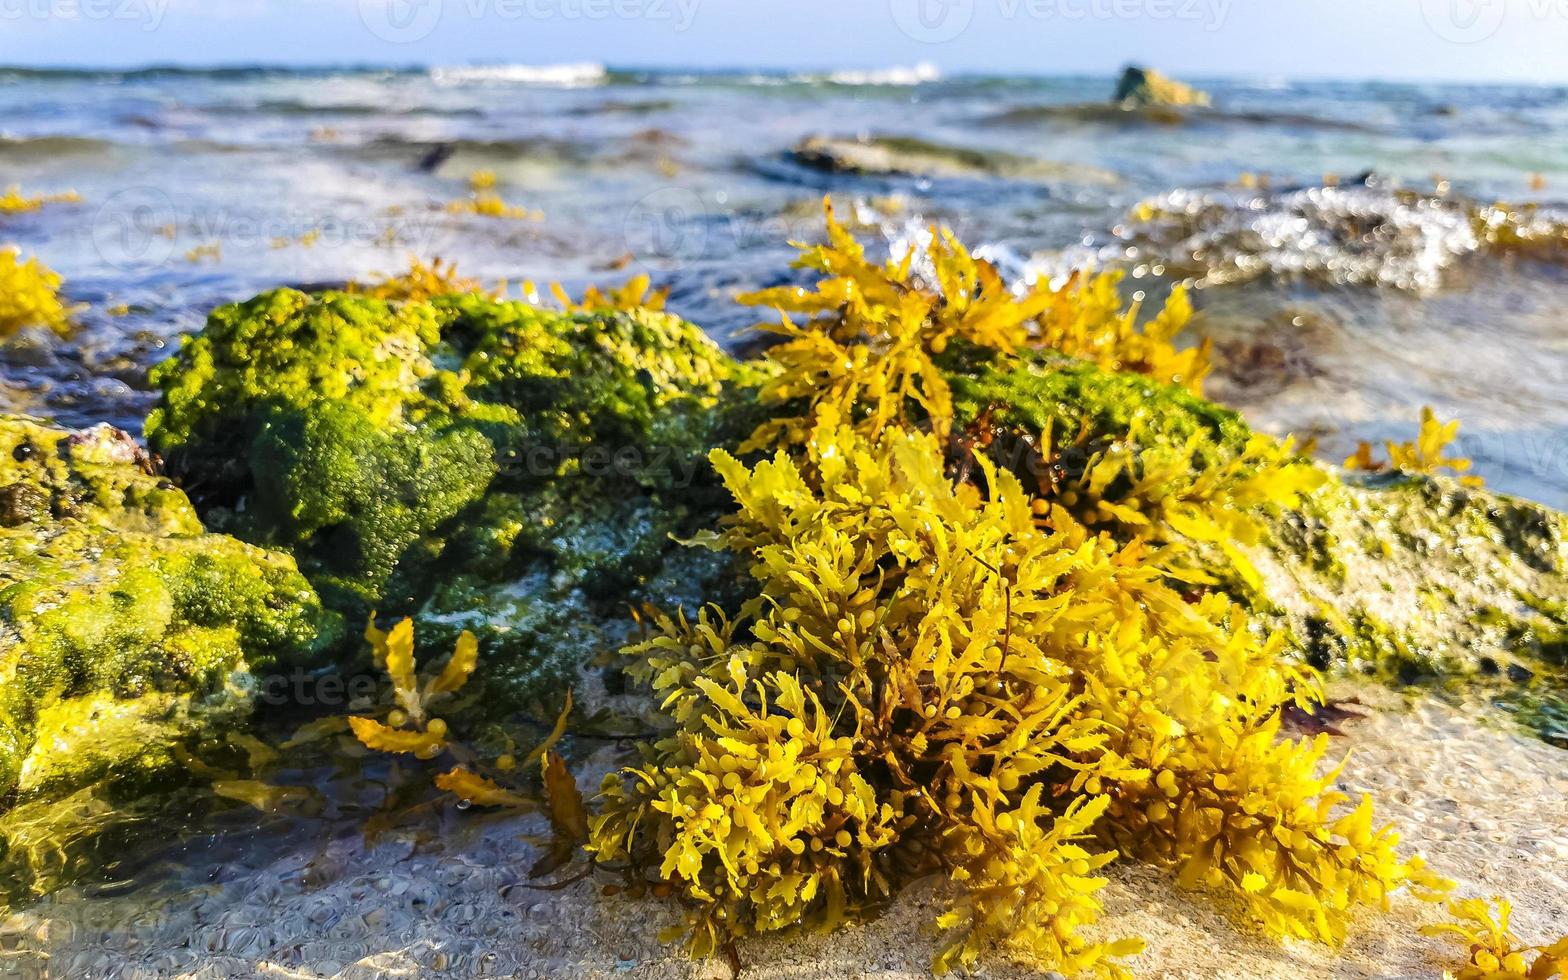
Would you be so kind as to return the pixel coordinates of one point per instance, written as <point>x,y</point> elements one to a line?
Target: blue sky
<point>1521,40</point>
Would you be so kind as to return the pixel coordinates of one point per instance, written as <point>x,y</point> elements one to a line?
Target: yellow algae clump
<point>30,295</point>
<point>869,352</point>
<point>1167,493</point>
<point>633,294</point>
<point>866,353</point>
<point>1088,320</point>
<point>421,282</point>
<point>13,201</point>
<point>1425,455</point>
<point>484,201</point>
<point>1494,952</point>
<point>1520,229</point>
<point>933,676</point>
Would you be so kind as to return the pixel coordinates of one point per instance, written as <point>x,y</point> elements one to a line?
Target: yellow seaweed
<point>1424,455</point>
<point>1494,953</point>
<point>867,352</point>
<point>30,295</point>
<point>935,675</point>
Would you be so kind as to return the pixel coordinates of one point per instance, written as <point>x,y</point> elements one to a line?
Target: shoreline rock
<point>126,630</point>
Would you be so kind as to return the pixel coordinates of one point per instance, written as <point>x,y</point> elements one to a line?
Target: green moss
<point>480,461</point>
<point>124,628</point>
<point>1090,406</point>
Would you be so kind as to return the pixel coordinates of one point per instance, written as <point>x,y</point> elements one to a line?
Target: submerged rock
<point>1364,233</point>
<point>483,464</point>
<point>126,630</point>
<point>1145,87</point>
<point>907,156</point>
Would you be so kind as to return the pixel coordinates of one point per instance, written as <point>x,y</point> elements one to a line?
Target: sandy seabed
<point>1488,806</point>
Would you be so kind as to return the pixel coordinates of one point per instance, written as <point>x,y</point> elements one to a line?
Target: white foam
<point>898,75</point>
<point>578,75</point>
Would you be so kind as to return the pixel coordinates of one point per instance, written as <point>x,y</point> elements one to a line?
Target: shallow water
<point>446,895</point>
<point>688,175</point>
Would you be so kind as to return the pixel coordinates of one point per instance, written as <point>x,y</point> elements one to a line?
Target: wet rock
<point>483,464</point>
<point>1143,87</point>
<point>904,156</point>
<point>125,629</point>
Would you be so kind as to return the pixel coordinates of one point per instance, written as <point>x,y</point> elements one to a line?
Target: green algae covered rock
<point>1405,576</point>
<point>125,629</point>
<point>1142,88</point>
<point>1073,396</point>
<point>1414,576</point>
<point>477,463</point>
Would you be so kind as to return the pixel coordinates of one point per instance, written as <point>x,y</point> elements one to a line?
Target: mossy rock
<point>1406,576</point>
<point>126,630</point>
<point>1413,576</point>
<point>1088,406</point>
<point>474,462</point>
<point>1140,88</point>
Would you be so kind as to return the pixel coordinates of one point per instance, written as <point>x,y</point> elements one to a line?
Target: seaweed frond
<point>30,295</point>
<point>634,294</point>
<point>409,729</point>
<point>1425,455</point>
<point>422,281</point>
<point>1494,952</point>
<point>867,351</point>
<point>1087,319</point>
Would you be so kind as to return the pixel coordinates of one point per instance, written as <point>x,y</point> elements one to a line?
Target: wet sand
<point>1487,805</point>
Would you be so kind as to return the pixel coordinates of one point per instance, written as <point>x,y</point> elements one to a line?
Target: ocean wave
<point>579,75</point>
<point>16,73</point>
<point>294,107</point>
<point>897,76</point>
<point>1370,233</point>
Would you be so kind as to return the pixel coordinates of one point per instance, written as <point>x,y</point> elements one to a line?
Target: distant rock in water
<point>1145,87</point>
<point>905,156</point>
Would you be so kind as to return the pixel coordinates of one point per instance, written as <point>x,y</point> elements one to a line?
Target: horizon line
<point>943,74</point>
